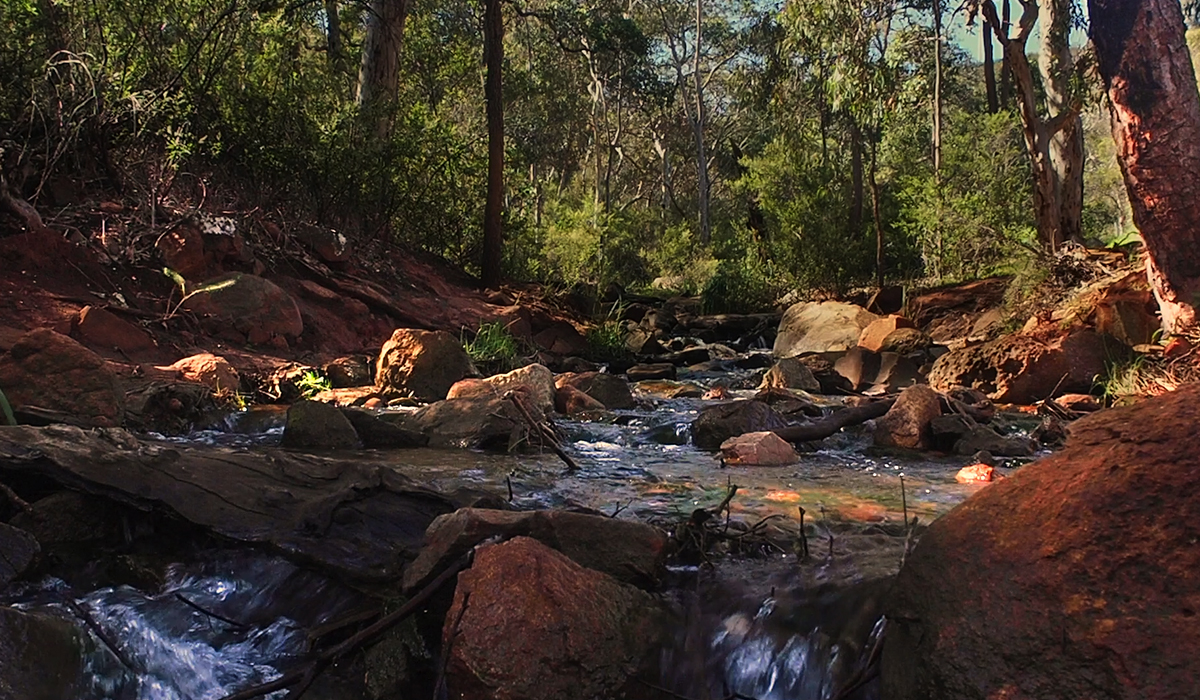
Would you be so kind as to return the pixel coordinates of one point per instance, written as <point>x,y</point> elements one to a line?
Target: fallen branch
<point>303,677</point>
<point>823,428</point>
<point>542,430</point>
<point>15,499</point>
<point>24,210</point>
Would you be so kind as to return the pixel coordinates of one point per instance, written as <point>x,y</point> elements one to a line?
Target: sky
<point>970,39</point>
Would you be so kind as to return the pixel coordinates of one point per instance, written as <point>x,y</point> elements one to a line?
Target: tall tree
<point>1066,145</point>
<point>989,69</point>
<point>379,75</point>
<point>493,217</point>
<point>1147,72</point>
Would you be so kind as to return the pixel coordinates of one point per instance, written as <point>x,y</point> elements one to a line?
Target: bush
<point>493,347</point>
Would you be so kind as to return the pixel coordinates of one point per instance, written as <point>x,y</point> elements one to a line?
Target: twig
<point>508,480</point>
<point>100,633</point>
<point>440,687</point>
<point>868,671</point>
<point>540,429</point>
<point>195,606</point>
<point>379,627</point>
<point>15,499</point>
<point>803,537</point>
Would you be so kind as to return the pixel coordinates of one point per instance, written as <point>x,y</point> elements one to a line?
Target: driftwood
<point>358,519</point>
<point>824,427</point>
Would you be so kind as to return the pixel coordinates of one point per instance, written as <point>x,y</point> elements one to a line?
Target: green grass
<point>312,383</point>
<point>493,344</point>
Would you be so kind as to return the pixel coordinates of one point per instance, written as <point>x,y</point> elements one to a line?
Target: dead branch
<point>22,209</point>
<point>823,428</point>
<point>15,499</point>
<point>542,430</point>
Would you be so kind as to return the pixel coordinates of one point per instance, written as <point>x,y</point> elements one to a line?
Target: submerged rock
<point>48,370</point>
<point>529,623</point>
<point>422,364</point>
<point>719,422</point>
<point>1076,577</point>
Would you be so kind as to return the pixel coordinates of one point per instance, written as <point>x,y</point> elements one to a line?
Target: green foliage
<point>747,284</point>
<point>9,419</point>
<point>493,344</point>
<point>606,340</point>
<point>312,383</point>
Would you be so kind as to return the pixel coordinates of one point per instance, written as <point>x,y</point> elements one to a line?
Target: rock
<point>905,341</point>
<point>183,251</point>
<point>250,305</point>
<point>883,372</point>
<point>610,390</point>
<point>478,423</point>
<point>311,424</point>
<point>628,551</point>
<point>690,356</point>
<point>667,389</point>
<point>568,401</point>
<point>1080,403</point>
<point>329,245</point>
<point>169,408</point>
<point>529,623</point>
<point>17,550</point>
<point>103,329</point>
<point>206,368</point>
<point>352,396</point>
<point>790,404</point>
<point>947,430</point>
<point>1027,367</point>
<point>561,338</point>
<point>907,423</point>
<point>422,364</point>
<point>982,438</point>
<point>535,380</point>
<point>1076,577</point>
<point>975,474</point>
<point>51,371</point>
<point>641,341</point>
<point>348,372</point>
<point>823,370</point>
<point>875,335</point>
<point>377,433</point>
<point>828,326</point>
<point>790,373</point>
<point>70,518</point>
<point>719,422</point>
<point>660,370</point>
<point>41,656</point>
<point>859,367</point>
<point>763,449</point>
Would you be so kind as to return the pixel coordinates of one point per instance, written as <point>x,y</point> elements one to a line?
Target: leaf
<point>177,279</point>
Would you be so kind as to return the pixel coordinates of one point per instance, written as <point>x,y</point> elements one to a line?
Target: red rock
<point>206,368</point>
<point>561,338</point>
<point>516,320</point>
<point>875,334</point>
<point>248,305</point>
<point>535,380</point>
<point>1076,577</point>
<point>610,390</point>
<point>48,370</point>
<point>907,423</point>
<point>975,474</point>
<point>1082,403</point>
<point>183,251</point>
<point>763,449</point>
<point>1177,347</point>
<point>568,401</point>
<point>101,328</point>
<point>329,245</point>
<point>422,364</point>
<point>528,623</point>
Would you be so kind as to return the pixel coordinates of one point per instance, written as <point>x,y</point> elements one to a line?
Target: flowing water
<point>773,629</point>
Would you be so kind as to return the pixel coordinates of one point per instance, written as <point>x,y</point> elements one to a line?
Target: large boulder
<point>535,381</point>
<point>829,326</point>
<point>254,307</point>
<point>1077,577</point>
<point>422,364</point>
<point>875,335</point>
<point>628,551</point>
<point>207,368</point>
<point>719,422</point>
<point>790,373</point>
<point>312,424</point>
<point>473,423</point>
<point>41,656</point>
<point>907,423</point>
<point>527,623</point>
<point>608,389</point>
<point>48,370</point>
<point>1028,367</point>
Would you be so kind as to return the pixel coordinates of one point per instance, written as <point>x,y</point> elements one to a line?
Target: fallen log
<point>824,427</point>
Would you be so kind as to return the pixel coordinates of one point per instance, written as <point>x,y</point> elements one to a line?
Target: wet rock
<point>907,423</point>
<point>568,401</point>
<point>422,364</point>
<point>100,328</point>
<point>479,423</point>
<point>610,390</point>
<point>666,389</point>
<point>40,657</point>
<point>1076,577</point>
<point>254,307</point>
<point>1027,367</point>
<point>628,551</point>
<point>823,370</point>
<point>719,422</point>
<point>877,332</point>
<point>829,326</point>
<point>348,372</point>
<point>70,517</point>
<point>762,449</point>
<point>535,380</point>
<point>17,550</point>
<point>529,623</point>
<point>1080,403</point>
<point>170,408</point>
<point>311,424</point>
<point>976,474</point>
<point>790,373</point>
<point>377,433</point>
<point>561,338</point>
<point>48,370</point>
<point>982,438</point>
<point>206,368</point>
<point>661,370</point>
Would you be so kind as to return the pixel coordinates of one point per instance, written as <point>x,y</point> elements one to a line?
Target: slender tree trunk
<point>1066,145</point>
<point>493,54</point>
<point>379,75</point>
<point>699,125</point>
<point>875,210</point>
<point>854,224</point>
<point>333,33</point>
<point>937,129</point>
<point>1006,78</point>
<point>1147,71</point>
<point>989,69</point>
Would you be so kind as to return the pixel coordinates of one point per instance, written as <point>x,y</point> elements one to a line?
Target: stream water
<point>772,628</point>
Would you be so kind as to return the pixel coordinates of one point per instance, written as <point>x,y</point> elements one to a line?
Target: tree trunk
<point>854,225</point>
<point>1066,145</point>
<point>937,130</point>
<point>989,69</point>
<point>875,209</point>
<point>1005,69</point>
<point>493,55</point>
<point>1146,68</point>
<point>379,75</point>
<point>333,34</point>
<point>701,149</point>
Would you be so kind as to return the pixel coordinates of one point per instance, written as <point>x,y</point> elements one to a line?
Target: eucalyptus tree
<point>379,73</point>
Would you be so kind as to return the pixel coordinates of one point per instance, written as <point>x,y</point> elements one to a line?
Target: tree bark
<point>989,69</point>
<point>854,224</point>
<point>1066,146</point>
<point>1147,72</point>
<point>379,75</point>
<point>1005,70</point>
<point>493,232</point>
<point>877,215</point>
<point>333,34</point>
<point>937,133</point>
<point>702,179</point>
